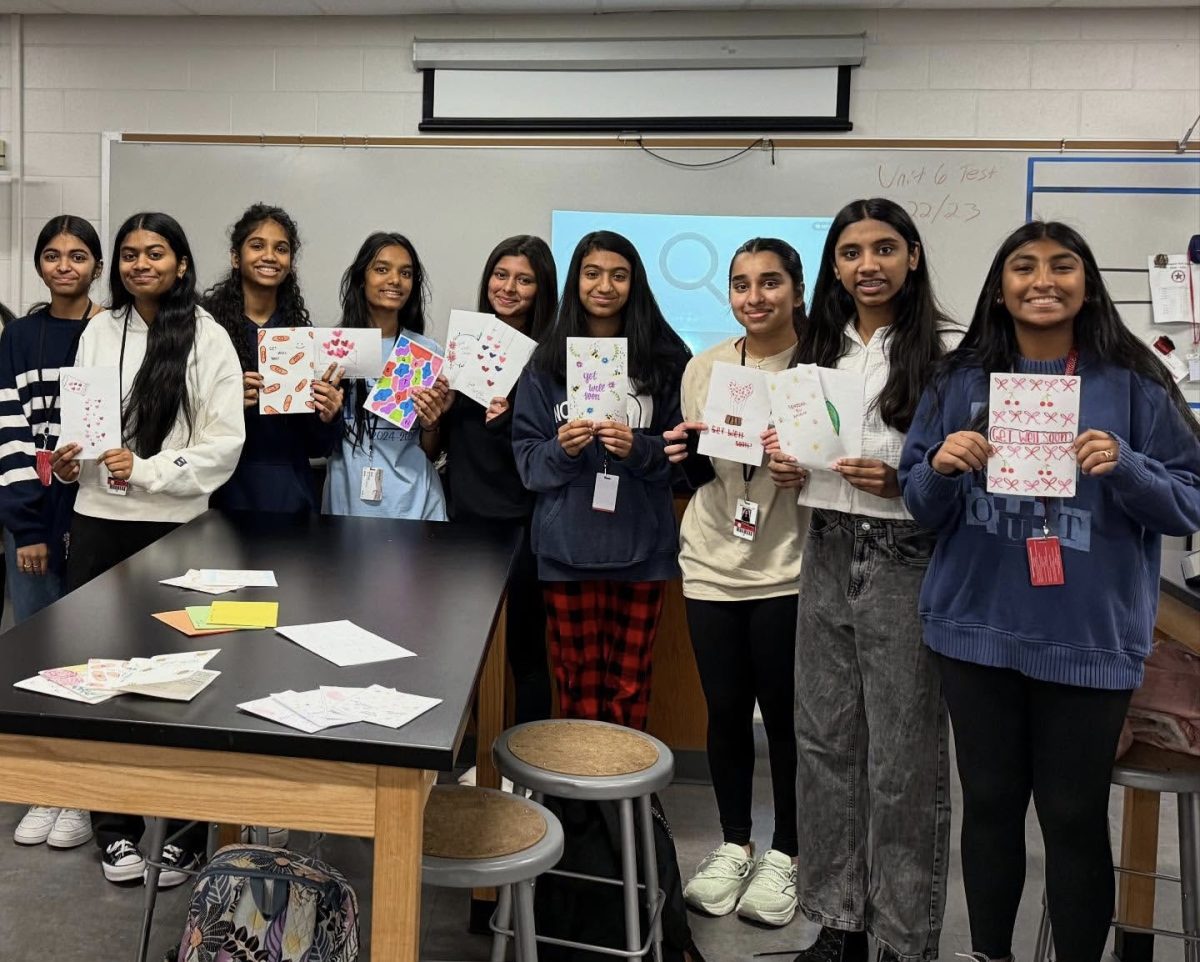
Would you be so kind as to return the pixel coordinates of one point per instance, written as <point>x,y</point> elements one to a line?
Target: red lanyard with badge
<point>43,456</point>
<point>1045,553</point>
<point>745,513</point>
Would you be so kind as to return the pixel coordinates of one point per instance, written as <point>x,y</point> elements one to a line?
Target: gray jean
<point>872,784</point>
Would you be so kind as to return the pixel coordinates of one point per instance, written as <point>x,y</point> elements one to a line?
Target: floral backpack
<point>252,903</point>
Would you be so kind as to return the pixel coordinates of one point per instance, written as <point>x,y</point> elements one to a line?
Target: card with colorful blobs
<point>411,365</point>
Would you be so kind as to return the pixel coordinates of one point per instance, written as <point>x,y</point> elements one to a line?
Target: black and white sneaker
<point>122,861</point>
<point>177,865</point>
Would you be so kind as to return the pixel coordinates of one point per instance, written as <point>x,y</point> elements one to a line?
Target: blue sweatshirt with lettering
<point>977,603</point>
<point>573,541</point>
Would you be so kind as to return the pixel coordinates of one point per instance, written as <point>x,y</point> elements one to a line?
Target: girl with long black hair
<point>1038,671</point>
<point>181,434</point>
<point>261,291</point>
<point>385,287</point>
<point>520,286</point>
<point>872,787</point>
<point>36,513</point>
<point>604,572</point>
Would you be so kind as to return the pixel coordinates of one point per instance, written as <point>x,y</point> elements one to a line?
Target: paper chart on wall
<point>818,414</point>
<point>90,408</point>
<point>285,361</point>
<point>357,349</point>
<point>1032,424</point>
<point>410,365</point>
<point>737,412</point>
<point>598,379</point>
<point>484,356</point>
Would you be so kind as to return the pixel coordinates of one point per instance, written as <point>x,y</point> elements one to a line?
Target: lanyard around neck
<point>45,438</point>
<point>1072,364</point>
<point>747,469</point>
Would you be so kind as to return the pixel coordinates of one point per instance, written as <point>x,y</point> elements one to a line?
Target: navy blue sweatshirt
<point>273,473</point>
<point>481,475</point>
<point>977,603</point>
<point>573,542</point>
<point>32,349</point>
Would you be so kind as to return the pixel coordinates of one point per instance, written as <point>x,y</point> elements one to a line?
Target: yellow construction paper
<point>245,614</point>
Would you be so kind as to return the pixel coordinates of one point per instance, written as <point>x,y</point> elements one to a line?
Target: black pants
<point>746,652</point>
<point>96,545</point>
<point>1015,737</point>
<point>525,638</point>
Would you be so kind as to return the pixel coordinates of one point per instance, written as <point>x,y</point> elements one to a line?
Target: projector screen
<point>687,259</point>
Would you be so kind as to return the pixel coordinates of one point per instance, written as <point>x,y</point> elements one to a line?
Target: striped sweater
<point>32,349</point>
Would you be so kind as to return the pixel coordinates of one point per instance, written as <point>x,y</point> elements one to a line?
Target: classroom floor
<point>56,904</point>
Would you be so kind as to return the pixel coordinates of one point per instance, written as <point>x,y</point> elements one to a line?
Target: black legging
<point>746,651</point>
<point>1015,737</point>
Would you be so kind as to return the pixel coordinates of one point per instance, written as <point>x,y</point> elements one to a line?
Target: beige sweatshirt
<point>717,565</point>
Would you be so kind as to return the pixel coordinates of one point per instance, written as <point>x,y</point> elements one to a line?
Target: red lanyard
<point>1072,363</point>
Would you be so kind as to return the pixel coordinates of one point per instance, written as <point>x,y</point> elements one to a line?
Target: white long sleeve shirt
<point>175,483</point>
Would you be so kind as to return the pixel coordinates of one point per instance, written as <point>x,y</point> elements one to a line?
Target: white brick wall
<point>1057,73</point>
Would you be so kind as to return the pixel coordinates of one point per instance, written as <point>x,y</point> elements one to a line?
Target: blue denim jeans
<point>30,593</point>
<point>871,731</point>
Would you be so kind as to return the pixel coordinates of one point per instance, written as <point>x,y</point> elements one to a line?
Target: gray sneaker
<point>719,880</point>
<point>770,898</point>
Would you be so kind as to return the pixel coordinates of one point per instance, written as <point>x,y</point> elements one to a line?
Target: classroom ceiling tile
<point>524,6</point>
<point>122,8</point>
<point>642,6</point>
<point>263,8</point>
<point>377,8</point>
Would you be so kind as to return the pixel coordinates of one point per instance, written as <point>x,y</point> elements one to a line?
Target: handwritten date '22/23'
<point>947,207</point>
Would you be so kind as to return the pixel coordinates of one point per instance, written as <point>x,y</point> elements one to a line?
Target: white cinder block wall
<point>1046,73</point>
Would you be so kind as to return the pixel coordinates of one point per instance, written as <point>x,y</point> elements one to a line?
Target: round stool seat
<point>1158,770</point>
<point>576,758</point>
<point>481,837</point>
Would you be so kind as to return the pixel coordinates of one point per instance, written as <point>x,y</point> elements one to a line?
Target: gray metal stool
<point>1158,770</point>
<point>597,761</point>
<point>484,838</point>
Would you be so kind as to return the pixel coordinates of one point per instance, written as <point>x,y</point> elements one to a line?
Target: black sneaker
<point>122,862</point>
<point>177,865</point>
<point>833,945</point>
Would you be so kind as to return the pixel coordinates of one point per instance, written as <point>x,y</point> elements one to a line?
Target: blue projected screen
<point>687,259</point>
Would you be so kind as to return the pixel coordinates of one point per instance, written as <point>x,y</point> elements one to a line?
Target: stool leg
<point>502,918</point>
<point>650,873</point>
<point>633,938</point>
<point>526,939</point>
<point>1189,870</point>
<point>156,830</point>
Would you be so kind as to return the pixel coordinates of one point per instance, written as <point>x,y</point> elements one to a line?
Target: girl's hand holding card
<point>575,435</point>
<point>616,437</point>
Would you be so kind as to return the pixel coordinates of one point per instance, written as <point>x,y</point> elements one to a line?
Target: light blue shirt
<point>411,486</point>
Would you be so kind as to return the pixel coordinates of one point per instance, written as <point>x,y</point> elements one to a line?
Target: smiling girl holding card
<point>261,292</point>
<point>1042,611</point>
<point>182,431</point>
<point>382,469</point>
<point>870,726</point>
<point>519,286</point>
<point>603,525</point>
<point>740,545</point>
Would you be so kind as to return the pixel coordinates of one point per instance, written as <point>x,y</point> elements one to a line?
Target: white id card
<point>605,498</point>
<point>745,519</point>
<point>371,486</point>
<point>117,486</point>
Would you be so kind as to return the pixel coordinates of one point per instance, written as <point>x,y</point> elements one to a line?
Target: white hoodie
<point>174,484</point>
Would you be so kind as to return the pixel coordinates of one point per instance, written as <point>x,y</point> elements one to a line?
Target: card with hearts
<point>1033,420</point>
<point>484,355</point>
<point>356,349</point>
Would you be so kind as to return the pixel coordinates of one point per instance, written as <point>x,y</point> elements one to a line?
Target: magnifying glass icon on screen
<point>708,257</point>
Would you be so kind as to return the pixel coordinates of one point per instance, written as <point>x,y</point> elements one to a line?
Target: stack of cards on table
<point>217,581</point>
<point>328,706</point>
<point>177,677</point>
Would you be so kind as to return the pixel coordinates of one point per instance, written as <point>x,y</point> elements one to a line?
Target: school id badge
<point>1045,561</point>
<point>745,519</point>
<point>370,487</point>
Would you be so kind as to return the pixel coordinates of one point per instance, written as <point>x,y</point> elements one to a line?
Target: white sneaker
<point>770,898</point>
<point>122,861</point>
<point>72,827</point>
<point>176,867</point>
<point>719,880</point>
<point>36,826</point>
<point>276,837</point>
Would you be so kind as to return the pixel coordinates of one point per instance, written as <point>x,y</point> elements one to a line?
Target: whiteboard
<point>456,202</point>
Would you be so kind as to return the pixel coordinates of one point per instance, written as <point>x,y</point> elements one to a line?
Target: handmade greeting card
<point>357,349</point>
<point>285,361</point>
<point>737,412</point>
<point>90,409</point>
<point>1033,420</point>
<point>410,365</point>
<point>818,414</point>
<point>598,379</point>
<point>484,356</point>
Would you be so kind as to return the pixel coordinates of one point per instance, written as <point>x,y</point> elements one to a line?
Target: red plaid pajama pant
<point>601,638</point>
